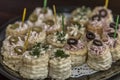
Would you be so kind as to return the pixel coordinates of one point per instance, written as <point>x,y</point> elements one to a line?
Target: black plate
<point>4,70</point>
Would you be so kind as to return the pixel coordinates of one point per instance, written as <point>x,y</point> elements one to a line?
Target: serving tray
<point>12,75</point>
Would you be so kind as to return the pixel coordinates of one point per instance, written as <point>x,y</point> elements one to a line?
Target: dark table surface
<point>12,8</point>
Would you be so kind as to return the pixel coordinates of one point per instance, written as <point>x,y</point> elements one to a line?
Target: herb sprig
<point>60,36</point>
<point>36,50</point>
<point>61,53</point>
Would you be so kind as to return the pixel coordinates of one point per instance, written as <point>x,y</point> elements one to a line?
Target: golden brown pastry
<point>60,65</point>
<point>99,56</point>
<point>17,29</point>
<point>35,62</point>
<point>77,50</point>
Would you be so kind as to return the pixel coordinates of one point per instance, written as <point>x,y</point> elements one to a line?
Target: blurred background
<point>13,8</point>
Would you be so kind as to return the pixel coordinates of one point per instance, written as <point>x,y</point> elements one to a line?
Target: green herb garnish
<point>117,22</point>
<point>45,46</point>
<point>45,4</point>
<point>60,36</point>
<point>61,53</point>
<point>63,26</point>
<point>37,45</point>
<point>35,51</point>
<point>78,24</point>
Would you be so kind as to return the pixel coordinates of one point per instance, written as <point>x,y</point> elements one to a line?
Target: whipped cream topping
<point>74,29</point>
<point>79,46</point>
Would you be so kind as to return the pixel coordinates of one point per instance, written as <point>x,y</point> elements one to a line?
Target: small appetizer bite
<point>51,25</point>
<point>75,30</point>
<point>104,13</point>
<point>77,50</point>
<point>111,28</point>
<point>114,45</point>
<point>35,62</point>
<point>17,29</point>
<point>99,56</point>
<point>57,39</point>
<point>95,25</point>
<point>12,51</point>
<point>12,41</point>
<point>12,58</point>
<point>60,65</point>
<point>81,15</point>
<point>38,15</point>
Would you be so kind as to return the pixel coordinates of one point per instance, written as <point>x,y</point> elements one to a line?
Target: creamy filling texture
<point>79,46</point>
<point>81,14</point>
<point>73,30</point>
<point>51,28</point>
<point>35,37</point>
<point>96,23</point>
<point>97,50</point>
<point>57,39</point>
<point>106,19</point>
<point>10,47</point>
<point>21,28</point>
<point>41,15</point>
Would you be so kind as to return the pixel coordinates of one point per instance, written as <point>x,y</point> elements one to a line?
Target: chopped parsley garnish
<point>45,46</point>
<point>60,36</point>
<point>61,53</point>
<point>37,45</point>
<point>78,24</point>
<point>37,49</point>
